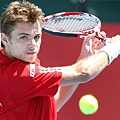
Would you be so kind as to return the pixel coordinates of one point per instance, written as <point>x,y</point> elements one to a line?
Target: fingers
<point>93,44</point>
<point>98,36</point>
<point>96,46</point>
<point>98,42</point>
<point>89,37</point>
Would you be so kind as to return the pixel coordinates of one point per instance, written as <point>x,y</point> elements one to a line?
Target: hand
<point>96,45</point>
<point>91,44</point>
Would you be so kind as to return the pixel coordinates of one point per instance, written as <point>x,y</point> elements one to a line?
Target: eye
<point>37,37</point>
<point>24,37</point>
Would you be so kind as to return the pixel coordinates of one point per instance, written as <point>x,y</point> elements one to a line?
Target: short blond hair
<point>20,12</point>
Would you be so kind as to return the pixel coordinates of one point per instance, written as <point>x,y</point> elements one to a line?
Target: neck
<point>6,53</point>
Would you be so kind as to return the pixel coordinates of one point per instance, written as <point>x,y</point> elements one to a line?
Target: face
<point>24,43</point>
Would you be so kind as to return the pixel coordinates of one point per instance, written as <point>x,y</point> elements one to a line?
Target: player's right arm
<point>89,67</point>
<point>84,70</point>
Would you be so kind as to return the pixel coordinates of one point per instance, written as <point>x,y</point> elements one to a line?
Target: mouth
<point>31,53</point>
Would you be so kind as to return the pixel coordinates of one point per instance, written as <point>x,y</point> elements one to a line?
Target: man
<point>29,91</point>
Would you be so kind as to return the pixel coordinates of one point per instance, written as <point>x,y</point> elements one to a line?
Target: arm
<point>83,74</point>
<point>65,92</point>
<point>88,68</point>
<point>85,69</point>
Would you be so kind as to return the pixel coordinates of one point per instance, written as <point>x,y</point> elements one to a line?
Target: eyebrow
<point>29,34</point>
<point>24,34</point>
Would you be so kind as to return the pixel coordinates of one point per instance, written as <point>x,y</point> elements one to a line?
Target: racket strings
<point>72,23</point>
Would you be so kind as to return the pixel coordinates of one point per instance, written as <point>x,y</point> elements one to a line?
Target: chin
<point>29,61</point>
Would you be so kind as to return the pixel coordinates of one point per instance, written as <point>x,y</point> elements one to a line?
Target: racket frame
<point>72,34</point>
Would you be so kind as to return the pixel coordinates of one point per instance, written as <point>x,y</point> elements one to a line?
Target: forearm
<point>92,65</point>
<point>85,69</point>
<point>64,93</point>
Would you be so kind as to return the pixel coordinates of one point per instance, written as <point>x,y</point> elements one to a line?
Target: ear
<point>4,39</point>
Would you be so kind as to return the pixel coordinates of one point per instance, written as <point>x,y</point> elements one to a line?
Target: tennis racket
<point>72,24</point>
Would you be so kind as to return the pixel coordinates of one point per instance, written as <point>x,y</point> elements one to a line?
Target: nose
<point>32,44</point>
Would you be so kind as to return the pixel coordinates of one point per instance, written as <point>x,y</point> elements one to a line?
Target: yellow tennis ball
<point>88,104</point>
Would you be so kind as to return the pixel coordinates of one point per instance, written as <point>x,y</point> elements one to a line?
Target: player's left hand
<point>91,44</point>
<point>96,44</point>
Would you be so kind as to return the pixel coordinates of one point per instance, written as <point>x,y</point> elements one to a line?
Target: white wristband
<point>112,50</point>
<point>107,40</point>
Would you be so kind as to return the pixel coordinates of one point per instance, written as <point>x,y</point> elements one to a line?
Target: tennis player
<point>28,90</point>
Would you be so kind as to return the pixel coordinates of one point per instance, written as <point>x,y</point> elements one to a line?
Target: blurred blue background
<point>106,10</point>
